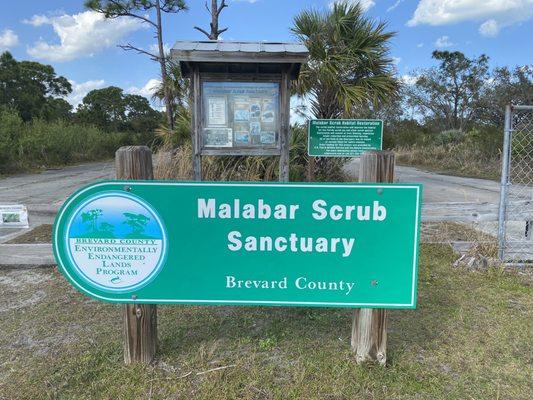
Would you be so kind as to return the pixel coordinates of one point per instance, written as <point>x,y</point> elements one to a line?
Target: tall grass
<point>176,164</point>
<point>475,153</point>
<point>459,159</point>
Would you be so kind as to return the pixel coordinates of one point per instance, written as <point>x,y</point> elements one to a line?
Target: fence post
<point>369,326</point>
<point>504,182</point>
<point>139,320</point>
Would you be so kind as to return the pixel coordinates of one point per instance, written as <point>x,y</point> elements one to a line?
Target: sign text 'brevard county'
<point>328,245</point>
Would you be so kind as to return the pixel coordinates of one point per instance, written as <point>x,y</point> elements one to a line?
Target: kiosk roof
<point>222,52</point>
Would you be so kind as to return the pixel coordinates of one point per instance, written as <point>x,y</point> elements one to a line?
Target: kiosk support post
<point>369,327</point>
<point>139,320</point>
<point>285,128</point>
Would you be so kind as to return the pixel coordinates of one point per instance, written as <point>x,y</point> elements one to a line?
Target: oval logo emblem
<point>116,242</point>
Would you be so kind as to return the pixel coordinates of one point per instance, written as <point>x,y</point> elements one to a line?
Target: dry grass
<point>177,165</point>
<point>39,234</point>
<point>457,159</point>
<point>480,243</point>
<point>469,339</point>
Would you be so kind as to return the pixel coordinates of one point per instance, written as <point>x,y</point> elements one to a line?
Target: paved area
<point>26,255</point>
<point>52,187</point>
<point>44,193</point>
<point>442,188</point>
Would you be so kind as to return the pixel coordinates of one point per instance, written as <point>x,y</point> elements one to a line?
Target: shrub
<point>177,164</point>
<point>452,136</point>
<point>39,143</point>
<point>10,130</point>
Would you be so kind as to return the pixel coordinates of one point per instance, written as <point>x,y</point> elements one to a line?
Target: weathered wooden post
<point>369,327</point>
<point>139,320</point>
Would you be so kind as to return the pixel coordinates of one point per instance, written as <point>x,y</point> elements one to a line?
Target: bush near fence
<point>475,153</point>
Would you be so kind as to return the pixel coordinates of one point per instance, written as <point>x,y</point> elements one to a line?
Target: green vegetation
<point>177,164</point>
<point>468,339</point>
<point>113,111</point>
<point>459,107</point>
<point>38,128</point>
<point>33,89</point>
<point>38,143</point>
<point>349,67</point>
<point>140,9</point>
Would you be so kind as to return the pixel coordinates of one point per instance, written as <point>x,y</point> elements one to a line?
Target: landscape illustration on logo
<point>116,242</point>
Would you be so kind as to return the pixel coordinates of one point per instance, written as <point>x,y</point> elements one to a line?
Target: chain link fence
<point>515,232</point>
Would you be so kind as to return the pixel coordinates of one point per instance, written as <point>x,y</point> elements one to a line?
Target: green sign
<point>344,137</point>
<point>330,245</point>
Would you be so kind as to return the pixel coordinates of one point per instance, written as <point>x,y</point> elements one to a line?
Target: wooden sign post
<point>369,327</point>
<point>139,320</point>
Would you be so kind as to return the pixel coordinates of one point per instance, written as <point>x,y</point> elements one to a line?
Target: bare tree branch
<point>203,31</point>
<point>215,10</point>
<point>129,47</point>
<point>222,6</point>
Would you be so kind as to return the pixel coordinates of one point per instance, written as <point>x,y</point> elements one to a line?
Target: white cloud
<point>365,4</point>
<point>37,20</point>
<point>80,90</point>
<point>396,60</point>
<point>300,109</point>
<point>154,48</point>
<point>80,35</point>
<point>147,90</point>
<point>419,45</point>
<point>409,79</point>
<point>489,28</point>
<point>8,39</point>
<point>393,7</point>
<point>444,12</point>
<point>443,42</point>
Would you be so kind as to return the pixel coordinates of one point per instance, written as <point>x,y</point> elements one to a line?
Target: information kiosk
<point>240,97</point>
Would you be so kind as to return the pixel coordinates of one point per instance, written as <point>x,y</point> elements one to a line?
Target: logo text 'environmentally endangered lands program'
<point>116,242</point>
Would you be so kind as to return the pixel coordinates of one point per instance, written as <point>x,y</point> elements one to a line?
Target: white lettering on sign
<point>320,211</point>
<point>336,212</point>
<point>292,243</point>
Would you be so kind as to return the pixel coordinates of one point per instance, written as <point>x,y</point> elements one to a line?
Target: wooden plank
<point>474,212</point>
<point>196,128</point>
<point>369,326</point>
<point>139,320</point>
<point>241,152</point>
<point>284,129</point>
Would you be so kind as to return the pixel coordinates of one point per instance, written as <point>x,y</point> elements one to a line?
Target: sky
<point>82,45</point>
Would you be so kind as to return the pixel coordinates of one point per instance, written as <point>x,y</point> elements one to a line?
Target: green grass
<point>470,338</point>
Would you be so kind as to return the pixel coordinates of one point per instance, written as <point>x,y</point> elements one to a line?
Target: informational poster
<point>240,114</point>
<point>344,137</point>
<point>218,137</point>
<point>216,111</point>
<point>13,216</point>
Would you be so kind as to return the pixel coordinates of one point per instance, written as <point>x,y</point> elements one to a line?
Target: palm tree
<point>178,89</point>
<point>349,65</point>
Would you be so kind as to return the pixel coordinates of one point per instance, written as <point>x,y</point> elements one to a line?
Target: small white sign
<point>13,216</point>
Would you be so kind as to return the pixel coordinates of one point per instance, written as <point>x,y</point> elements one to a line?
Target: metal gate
<point>515,231</point>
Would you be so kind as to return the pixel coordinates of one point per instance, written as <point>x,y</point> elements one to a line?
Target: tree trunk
<point>214,20</point>
<point>162,62</point>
